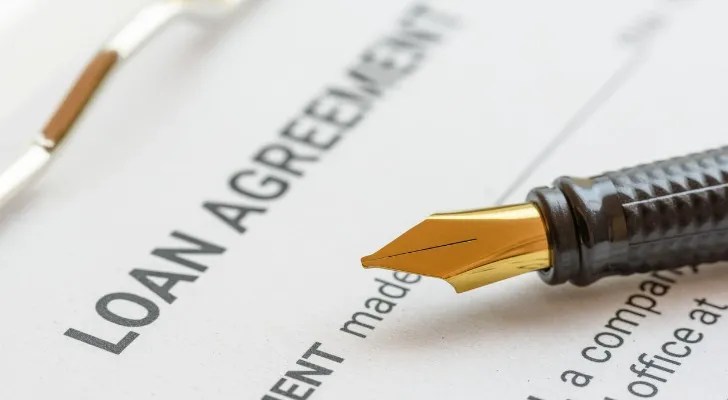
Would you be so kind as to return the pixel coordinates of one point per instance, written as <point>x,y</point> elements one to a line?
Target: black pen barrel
<point>666,214</point>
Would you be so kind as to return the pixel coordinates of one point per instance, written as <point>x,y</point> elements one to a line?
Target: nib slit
<point>425,249</point>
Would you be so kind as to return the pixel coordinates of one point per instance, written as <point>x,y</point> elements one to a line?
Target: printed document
<point>199,236</point>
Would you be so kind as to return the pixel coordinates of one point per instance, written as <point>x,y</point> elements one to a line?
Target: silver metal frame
<point>127,41</point>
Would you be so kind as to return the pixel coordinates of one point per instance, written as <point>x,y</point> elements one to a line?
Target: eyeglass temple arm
<point>121,46</point>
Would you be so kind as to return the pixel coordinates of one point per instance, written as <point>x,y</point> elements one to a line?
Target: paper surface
<point>430,106</point>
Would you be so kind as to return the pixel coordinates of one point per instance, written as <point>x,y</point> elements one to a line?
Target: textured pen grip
<point>662,215</point>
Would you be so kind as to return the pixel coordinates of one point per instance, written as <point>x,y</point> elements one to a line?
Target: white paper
<point>550,88</point>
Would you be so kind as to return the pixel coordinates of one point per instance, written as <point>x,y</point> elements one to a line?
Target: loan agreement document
<point>200,236</point>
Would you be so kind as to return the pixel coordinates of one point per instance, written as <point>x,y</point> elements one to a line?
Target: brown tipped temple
<point>78,97</point>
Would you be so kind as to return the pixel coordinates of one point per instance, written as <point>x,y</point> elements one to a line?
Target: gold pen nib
<point>470,249</point>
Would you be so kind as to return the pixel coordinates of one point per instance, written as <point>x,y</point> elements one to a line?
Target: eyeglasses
<point>142,27</point>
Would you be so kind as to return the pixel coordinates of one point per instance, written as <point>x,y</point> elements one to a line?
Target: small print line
<point>599,98</point>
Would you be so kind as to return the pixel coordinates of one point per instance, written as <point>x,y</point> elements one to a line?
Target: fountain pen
<point>661,215</point>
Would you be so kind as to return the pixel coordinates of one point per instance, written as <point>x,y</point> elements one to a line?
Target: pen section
<point>661,215</point>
